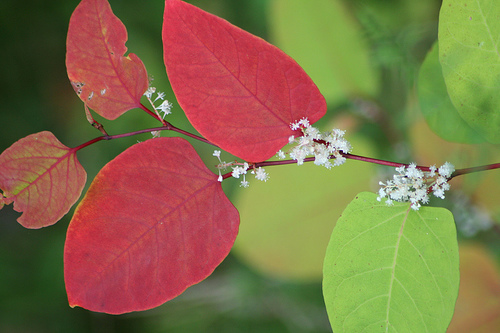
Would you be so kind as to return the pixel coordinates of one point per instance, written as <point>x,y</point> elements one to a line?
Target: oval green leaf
<point>326,41</point>
<point>436,106</point>
<point>468,52</point>
<point>391,268</point>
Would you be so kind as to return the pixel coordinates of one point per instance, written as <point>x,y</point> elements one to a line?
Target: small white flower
<point>165,108</point>
<point>261,174</point>
<point>294,126</point>
<point>432,169</point>
<point>244,183</point>
<point>439,192</point>
<point>312,132</point>
<point>338,132</point>
<point>304,122</point>
<point>298,154</point>
<point>150,92</point>
<point>446,169</point>
<point>416,206</point>
<point>400,169</point>
<point>339,160</point>
<point>240,170</point>
<point>160,95</point>
<point>281,155</point>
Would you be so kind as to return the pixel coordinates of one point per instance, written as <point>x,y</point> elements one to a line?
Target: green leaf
<point>286,232</point>
<point>391,268</point>
<point>436,106</point>
<point>326,41</point>
<point>468,52</point>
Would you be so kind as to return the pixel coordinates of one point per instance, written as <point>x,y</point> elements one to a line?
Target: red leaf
<point>3,201</point>
<point>154,222</point>
<point>43,177</point>
<point>237,90</point>
<point>103,78</point>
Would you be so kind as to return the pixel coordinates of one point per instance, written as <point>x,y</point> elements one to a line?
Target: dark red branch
<point>167,127</point>
<point>152,114</point>
<point>464,171</point>
<point>170,127</point>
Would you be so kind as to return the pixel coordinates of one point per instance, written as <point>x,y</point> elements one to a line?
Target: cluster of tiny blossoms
<point>165,107</point>
<point>414,185</point>
<point>240,169</point>
<point>323,146</point>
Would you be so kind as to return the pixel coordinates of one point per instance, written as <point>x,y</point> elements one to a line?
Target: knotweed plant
<point>156,220</point>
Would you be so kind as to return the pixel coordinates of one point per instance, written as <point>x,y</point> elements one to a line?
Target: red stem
<point>464,171</point>
<point>167,127</point>
<point>152,114</point>
<point>170,127</point>
<point>350,156</point>
<point>456,173</point>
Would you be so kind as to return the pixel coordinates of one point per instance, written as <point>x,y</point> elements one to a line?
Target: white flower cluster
<point>240,169</point>
<point>323,146</point>
<point>414,185</point>
<point>165,107</point>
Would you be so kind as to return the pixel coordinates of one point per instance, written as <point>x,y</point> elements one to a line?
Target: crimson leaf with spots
<point>104,79</point>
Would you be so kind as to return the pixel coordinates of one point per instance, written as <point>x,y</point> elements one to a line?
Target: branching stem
<point>153,114</point>
<point>169,127</point>
<point>458,172</point>
<point>166,127</point>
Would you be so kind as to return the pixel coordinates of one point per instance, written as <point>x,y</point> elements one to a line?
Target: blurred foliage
<point>238,297</point>
<point>288,235</point>
<point>469,61</point>
<point>478,306</point>
<point>436,105</point>
<point>339,63</point>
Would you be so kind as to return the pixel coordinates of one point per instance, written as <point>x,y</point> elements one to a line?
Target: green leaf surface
<point>391,268</point>
<point>326,41</point>
<point>436,106</point>
<point>288,219</point>
<point>469,54</point>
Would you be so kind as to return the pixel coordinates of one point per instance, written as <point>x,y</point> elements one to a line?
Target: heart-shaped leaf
<point>237,90</point>
<point>104,79</point>
<point>43,177</point>
<point>391,268</point>
<point>154,221</point>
